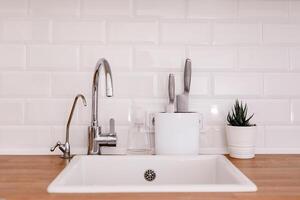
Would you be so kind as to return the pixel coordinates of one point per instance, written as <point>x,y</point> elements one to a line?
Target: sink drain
<point>149,175</point>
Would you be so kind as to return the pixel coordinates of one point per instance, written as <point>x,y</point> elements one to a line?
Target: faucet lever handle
<point>61,146</point>
<point>58,144</point>
<point>112,129</point>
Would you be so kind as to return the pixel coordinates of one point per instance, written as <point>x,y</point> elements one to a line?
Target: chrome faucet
<point>97,139</point>
<point>66,148</point>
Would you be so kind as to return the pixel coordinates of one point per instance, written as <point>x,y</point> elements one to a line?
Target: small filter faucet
<point>66,148</point>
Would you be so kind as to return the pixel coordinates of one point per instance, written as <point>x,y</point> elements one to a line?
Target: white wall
<point>247,49</point>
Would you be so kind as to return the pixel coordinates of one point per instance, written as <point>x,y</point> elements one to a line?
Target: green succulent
<point>238,115</point>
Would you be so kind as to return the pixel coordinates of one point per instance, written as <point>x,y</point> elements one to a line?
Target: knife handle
<point>187,75</point>
<point>171,88</point>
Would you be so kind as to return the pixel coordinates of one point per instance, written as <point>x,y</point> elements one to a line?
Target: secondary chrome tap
<point>97,139</point>
<point>66,148</point>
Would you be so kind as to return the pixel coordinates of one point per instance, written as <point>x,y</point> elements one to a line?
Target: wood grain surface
<point>27,177</point>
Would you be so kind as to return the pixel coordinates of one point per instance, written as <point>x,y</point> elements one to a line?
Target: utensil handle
<point>187,75</point>
<point>171,88</point>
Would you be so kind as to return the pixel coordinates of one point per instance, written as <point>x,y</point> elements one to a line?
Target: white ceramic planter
<point>241,141</point>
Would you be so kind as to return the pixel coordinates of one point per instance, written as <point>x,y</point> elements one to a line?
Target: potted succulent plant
<point>240,132</point>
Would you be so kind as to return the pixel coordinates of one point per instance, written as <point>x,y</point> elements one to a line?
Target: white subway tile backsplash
<point>12,56</point>
<point>160,8</point>
<point>282,84</point>
<point>263,58</point>
<point>105,8</point>
<point>24,84</point>
<point>13,7</point>
<point>71,84</point>
<point>48,111</point>
<point>257,8</point>
<point>214,111</point>
<point>134,85</point>
<point>26,30</point>
<point>49,57</point>
<point>150,106</point>
<point>295,114</point>
<point>246,49</point>
<point>78,31</point>
<point>159,57</point>
<point>200,84</point>
<point>295,58</point>
<point>213,57</point>
<point>268,111</point>
<point>236,84</point>
<point>13,110</point>
<point>119,57</point>
<point>282,137</point>
<point>25,139</point>
<point>133,32</point>
<point>54,8</point>
<point>186,33</point>
<point>294,8</point>
<point>215,137</point>
<point>212,8</point>
<point>236,33</point>
<point>260,137</point>
<point>281,33</point>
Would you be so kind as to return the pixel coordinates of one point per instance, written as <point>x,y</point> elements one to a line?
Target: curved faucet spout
<point>102,63</point>
<point>71,114</point>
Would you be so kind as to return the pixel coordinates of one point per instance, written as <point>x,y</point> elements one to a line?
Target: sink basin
<point>203,173</point>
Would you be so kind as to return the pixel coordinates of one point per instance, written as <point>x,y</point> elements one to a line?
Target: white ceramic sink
<point>203,173</point>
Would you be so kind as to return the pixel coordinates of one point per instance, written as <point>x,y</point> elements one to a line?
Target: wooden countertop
<point>27,177</point>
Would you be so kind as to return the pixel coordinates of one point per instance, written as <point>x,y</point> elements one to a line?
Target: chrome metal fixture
<point>97,139</point>
<point>65,148</point>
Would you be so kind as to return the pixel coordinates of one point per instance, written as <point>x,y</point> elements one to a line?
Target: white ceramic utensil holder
<point>177,133</point>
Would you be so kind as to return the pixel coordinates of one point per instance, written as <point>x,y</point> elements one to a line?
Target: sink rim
<point>246,186</point>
